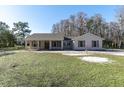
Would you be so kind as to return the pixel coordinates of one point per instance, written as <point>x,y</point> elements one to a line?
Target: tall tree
<point>6,37</point>
<point>81,22</point>
<point>120,32</point>
<point>21,30</point>
<point>114,29</point>
<point>72,22</point>
<point>97,23</point>
<point>78,24</point>
<point>3,26</point>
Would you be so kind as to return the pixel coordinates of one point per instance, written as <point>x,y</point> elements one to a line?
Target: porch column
<point>30,44</point>
<point>37,44</point>
<point>62,45</point>
<point>50,45</point>
<point>25,43</point>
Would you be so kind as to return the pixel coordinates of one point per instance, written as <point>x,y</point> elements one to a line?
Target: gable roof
<point>87,35</point>
<point>45,36</point>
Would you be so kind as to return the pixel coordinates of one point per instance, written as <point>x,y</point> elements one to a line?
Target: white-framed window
<point>81,43</point>
<point>56,43</point>
<point>95,43</point>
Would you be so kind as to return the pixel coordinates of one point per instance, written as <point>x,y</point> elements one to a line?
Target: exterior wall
<point>88,45</point>
<point>41,45</point>
<point>88,42</point>
<point>87,37</point>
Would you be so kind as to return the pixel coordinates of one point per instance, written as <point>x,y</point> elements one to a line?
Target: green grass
<point>33,69</point>
<point>13,48</point>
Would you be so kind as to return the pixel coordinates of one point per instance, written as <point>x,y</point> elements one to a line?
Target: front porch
<point>44,44</point>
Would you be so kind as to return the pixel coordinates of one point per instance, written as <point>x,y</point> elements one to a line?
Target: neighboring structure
<point>51,41</point>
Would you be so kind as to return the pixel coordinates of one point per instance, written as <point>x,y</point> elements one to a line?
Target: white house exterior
<point>59,42</point>
<point>89,41</point>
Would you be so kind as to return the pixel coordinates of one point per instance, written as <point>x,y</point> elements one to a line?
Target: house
<point>50,41</point>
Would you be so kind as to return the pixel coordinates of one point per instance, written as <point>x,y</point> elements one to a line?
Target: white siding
<point>88,42</point>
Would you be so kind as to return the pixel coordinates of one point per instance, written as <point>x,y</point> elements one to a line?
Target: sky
<point>42,17</point>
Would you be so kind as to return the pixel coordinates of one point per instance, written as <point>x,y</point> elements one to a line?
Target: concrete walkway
<point>79,53</point>
<point>69,53</point>
<point>110,53</point>
<point>73,53</point>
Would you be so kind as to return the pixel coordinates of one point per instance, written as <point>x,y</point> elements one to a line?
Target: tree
<point>114,28</point>
<point>120,32</point>
<point>54,29</point>
<point>81,22</point>
<point>97,24</point>
<point>6,37</point>
<point>90,25</point>
<point>21,30</point>
<point>3,26</point>
<point>78,24</point>
<point>72,24</point>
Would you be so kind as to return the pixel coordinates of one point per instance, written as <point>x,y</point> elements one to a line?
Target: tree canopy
<point>21,30</point>
<point>10,37</point>
<point>79,24</point>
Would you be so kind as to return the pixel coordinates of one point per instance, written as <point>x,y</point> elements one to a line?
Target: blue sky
<point>41,18</point>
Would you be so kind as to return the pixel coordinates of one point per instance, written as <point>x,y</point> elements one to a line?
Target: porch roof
<point>45,36</point>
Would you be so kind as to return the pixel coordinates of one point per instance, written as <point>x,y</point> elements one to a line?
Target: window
<point>56,43</point>
<point>81,43</point>
<point>67,43</point>
<point>95,43</point>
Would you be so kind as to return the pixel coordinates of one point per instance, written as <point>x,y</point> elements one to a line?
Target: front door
<point>46,43</point>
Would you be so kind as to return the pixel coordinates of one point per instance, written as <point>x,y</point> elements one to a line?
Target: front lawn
<point>13,48</point>
<point>34,69</point>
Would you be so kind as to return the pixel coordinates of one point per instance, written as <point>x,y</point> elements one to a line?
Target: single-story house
<point>50,41</point>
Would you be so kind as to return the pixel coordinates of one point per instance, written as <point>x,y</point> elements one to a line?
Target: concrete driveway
<point>74,53</point>
<point>110,53</point>
<point>79,53</point>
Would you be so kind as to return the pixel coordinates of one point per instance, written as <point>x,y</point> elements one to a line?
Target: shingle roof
<point>45,36</point>
<point>87,35</point>
<point>57,36</point>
